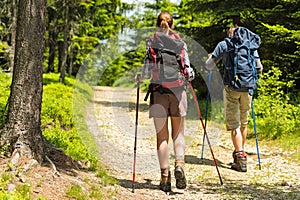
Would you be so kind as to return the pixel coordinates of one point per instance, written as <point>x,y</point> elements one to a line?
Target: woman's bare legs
<point>178,137</point>
<point>179,150</point>
<point>162,131</point>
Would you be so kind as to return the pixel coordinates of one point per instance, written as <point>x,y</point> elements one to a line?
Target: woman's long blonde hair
<point>165,22</point>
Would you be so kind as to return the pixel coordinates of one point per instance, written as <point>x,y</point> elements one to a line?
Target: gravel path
<point>113,113</point>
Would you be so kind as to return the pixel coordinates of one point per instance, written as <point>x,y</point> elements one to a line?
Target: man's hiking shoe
<point>241,162</point>
<point>180,177</point>
<point>240,166</point>
<point>165,182</point>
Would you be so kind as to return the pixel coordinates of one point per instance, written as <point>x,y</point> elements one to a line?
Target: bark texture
<point>14,4</point>
<point>23,131</point>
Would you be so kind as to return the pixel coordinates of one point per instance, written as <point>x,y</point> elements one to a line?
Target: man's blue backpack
<point>240,64</point>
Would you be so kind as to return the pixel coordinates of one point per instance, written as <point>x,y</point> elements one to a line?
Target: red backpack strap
<point>155,73</point>
<point>175,36</point>
<point>183,70</point>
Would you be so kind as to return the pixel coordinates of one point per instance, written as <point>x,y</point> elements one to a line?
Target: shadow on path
<point>233,189</point>
<point>191,159</point>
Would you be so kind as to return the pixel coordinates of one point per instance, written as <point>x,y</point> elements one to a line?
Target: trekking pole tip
<point>221,181</point>
<point>132,188</point>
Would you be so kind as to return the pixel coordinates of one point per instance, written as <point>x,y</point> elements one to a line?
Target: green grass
<point>105,178</point>
<point>76,192</point>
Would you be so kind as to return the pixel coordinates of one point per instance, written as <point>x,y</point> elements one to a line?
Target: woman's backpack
<point>165,61</point>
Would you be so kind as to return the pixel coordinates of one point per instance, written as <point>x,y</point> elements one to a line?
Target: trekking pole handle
<point>138,78</point>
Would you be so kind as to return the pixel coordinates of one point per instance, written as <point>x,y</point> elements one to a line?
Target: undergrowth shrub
<point>276,117</point>
<point>57,106</point>
<point>5,82</point>
<point>58,120</point>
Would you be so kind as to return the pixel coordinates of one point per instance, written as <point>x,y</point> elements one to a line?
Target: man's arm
<point>216,55</point>
<point>211,61</point>
<point>259,66</point>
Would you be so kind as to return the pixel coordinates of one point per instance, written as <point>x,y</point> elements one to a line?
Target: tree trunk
<point>51,39</point>
<point>65,44</point>
<point>23,128</point>
<point>60,55</point>
<point>14,4</point>
<point>71,65</point>
<point>70,50</point>
<point>52,45</point>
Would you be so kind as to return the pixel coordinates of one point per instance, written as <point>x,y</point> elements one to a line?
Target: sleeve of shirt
<point>256,56</point>
<point>215,55</point>
<point>219,50</point>
<point>259,66</point>
<point>186,56</point>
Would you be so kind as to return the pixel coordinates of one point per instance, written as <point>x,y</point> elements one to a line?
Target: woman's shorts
<point>237,106</point>
<point>172,104</point>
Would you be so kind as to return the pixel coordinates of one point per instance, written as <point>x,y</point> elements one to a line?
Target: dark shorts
<point>168,104</point>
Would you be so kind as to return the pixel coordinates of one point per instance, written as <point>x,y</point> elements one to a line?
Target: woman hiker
<point>168,98</point>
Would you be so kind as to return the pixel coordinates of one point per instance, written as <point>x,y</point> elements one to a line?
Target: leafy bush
<point>57,106</point>
<point>276,116</point>
<point>58,121</point>
<point>5,81</point>
<point>56,115</point>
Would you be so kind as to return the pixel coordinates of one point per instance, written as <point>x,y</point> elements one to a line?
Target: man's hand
<point>211,62</point>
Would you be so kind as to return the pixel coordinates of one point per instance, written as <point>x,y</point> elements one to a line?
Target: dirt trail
<point>114,112</point>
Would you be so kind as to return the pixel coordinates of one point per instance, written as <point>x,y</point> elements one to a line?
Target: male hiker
<point>241,61</point>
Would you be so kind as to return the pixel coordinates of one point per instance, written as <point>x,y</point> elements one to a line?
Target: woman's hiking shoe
<point>179,175</point>
<point>234,156</point>
<point>165,186</point>
<point>165,182</point>
<point>241,162</point>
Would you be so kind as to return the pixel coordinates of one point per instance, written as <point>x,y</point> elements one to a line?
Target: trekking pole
<point>255,133</point>
<point>205,133</point>
<point>135,134</point>
<point>206,108</point>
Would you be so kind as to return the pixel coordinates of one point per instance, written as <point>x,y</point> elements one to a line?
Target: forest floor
<point>112,122</point>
